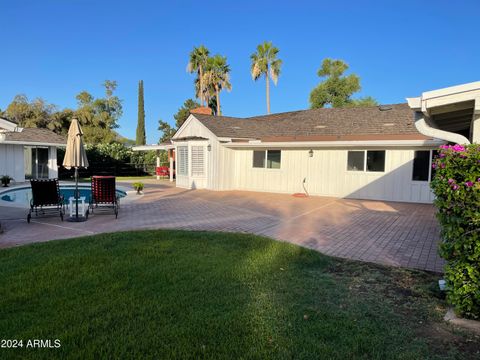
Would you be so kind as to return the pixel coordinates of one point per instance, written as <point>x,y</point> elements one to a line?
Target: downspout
<point>425,128</point>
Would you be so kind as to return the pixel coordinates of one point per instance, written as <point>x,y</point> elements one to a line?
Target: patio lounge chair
<point>46,198</point>
<point>104,195</point>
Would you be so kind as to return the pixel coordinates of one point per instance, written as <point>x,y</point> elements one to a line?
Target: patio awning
<point>153,147</point>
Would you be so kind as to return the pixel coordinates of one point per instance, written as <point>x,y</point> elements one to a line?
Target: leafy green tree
<point>25,113</point>
<point>60,121</point>
<point>184,111</point>
<point>265,62</point>
<point>167,131</point>
<point>141,137</point>
<point>363,102</point>
<point>217,75</point>
<point>182,114</point>
<point>197,64</point>
<point>99,117</point>
<point>336,90</point>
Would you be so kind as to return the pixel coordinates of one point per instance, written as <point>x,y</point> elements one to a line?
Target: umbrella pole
<point>76,193</point>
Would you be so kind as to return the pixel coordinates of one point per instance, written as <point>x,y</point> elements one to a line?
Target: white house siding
<point>11,161</point>
<point>219,160</point>
<point>52,162</point>
<point>326,174</point>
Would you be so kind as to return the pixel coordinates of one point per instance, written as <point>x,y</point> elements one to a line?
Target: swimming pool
<point>22,196</point>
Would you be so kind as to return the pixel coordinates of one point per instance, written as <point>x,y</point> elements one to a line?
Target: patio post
<point>158,164</point>
<point>170,156</point>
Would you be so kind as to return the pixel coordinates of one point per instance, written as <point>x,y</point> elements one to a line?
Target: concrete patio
<point>398,234</point>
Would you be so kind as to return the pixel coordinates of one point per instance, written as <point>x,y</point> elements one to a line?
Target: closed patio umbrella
<point>75,157</point>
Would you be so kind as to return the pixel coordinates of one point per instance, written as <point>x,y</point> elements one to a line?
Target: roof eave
<point>330,144</point>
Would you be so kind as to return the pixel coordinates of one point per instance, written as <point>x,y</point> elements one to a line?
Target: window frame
<point>430,169</point>
<point>194,149</point>
<point>180,157</point>
<point>363,162</point>
<point>265,160</point>
<point>365,156</point>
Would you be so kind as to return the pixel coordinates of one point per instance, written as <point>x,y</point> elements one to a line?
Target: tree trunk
<point>202,99</point>
<point>268,91</point>
<point>219,111</point>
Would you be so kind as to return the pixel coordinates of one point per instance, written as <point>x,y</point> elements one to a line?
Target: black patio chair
<point>46,198</point>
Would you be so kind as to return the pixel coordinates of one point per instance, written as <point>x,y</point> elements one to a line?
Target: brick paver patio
<point>397,234</point>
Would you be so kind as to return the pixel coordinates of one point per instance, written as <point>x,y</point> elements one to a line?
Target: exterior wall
<point>326,174</point>
<point>190,181</point>
<point>11,161</point>
<point>219,161</point>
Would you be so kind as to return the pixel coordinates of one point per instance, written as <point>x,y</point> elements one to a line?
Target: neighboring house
<point>27,153</point>
<point>380,153</point>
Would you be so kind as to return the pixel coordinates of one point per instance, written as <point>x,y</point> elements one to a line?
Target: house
<point>27,153</point>
<point>379,153</point>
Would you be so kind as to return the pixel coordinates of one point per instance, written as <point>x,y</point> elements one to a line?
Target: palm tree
<point>265,62</point>
<point>217,77</point>
<point>198,60</point>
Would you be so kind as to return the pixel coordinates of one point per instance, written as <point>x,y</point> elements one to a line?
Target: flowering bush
<point>457,189</point>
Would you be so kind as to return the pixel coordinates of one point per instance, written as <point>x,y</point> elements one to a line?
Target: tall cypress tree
<point>141,137</point>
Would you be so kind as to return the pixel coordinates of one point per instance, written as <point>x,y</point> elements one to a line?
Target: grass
<point>178,294</point>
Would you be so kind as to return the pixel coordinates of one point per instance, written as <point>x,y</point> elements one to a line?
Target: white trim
<point>31,143</point>
<point>9,126</point>
<point>330,144</point>
<point>191,118</point>
<point>152,147</point>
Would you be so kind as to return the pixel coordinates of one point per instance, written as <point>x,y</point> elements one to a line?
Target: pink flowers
<point>455,187</point>
<point>456,148</point>
<point>469,184</point>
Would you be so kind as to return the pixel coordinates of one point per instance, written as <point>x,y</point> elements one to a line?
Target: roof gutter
<point>333,144</point>
<point>426,128</point>
<point>28,143</point>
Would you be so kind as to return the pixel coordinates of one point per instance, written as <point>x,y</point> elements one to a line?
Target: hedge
<point>113,159</point>
<point>457,189</point>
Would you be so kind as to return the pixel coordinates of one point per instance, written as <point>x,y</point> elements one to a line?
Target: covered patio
<point>169,148</point>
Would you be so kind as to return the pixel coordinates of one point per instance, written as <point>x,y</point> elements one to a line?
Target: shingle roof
<point>34,135</point>
<point>375,122</point>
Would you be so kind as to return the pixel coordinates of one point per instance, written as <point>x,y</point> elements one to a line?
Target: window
<point>270,159</point>
<point>356,161</point>
<point>274,158</point>
<point>259,159</point>
<point>182,159</point>
<point>198,161</point>
<point>372,161</point>
<point>376,160</point>
<point>421,165</point>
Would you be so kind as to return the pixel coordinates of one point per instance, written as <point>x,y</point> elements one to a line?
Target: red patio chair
<point>104,195</point>
<point>162,171</point>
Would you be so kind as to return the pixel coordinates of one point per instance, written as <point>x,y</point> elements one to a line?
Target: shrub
<point>457,189</point>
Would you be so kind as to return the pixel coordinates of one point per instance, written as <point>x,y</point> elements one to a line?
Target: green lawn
<point>176,294</point>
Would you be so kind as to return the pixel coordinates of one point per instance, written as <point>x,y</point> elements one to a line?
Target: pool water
<point>23,195</point>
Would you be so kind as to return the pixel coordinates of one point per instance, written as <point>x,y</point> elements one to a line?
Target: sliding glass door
<point>36,162</point>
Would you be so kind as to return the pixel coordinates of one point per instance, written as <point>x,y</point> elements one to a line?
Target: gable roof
<point>34,135</point>
<point>327,124</point>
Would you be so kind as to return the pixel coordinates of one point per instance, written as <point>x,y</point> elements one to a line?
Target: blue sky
<point>55,49</point>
